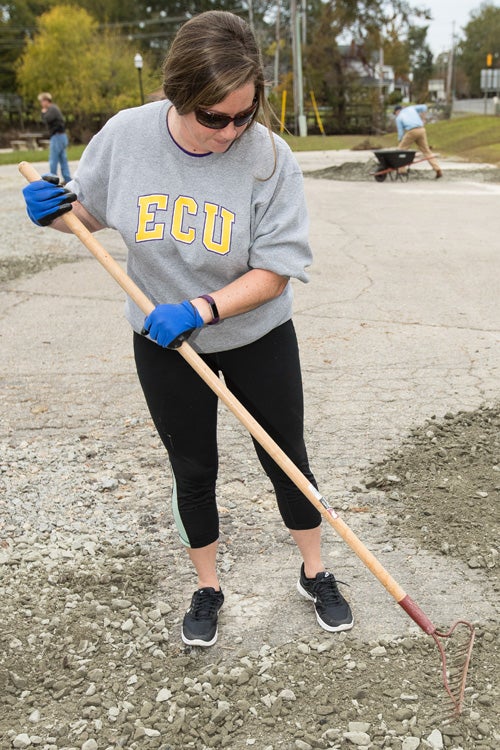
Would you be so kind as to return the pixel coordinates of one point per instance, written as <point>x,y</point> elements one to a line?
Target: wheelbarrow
<point>390,162</point>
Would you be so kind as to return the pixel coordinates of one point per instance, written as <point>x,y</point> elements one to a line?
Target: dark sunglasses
<point>217,121</point>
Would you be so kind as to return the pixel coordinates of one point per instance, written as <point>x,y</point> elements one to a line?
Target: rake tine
<point>455,673</point>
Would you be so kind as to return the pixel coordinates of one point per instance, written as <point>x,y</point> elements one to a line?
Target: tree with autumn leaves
<point>84,57</point>
<point>83,50</point>
<point>90,72</point>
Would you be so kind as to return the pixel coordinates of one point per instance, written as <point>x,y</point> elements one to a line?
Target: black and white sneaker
<point>199,627</point>
<point>332,611</point>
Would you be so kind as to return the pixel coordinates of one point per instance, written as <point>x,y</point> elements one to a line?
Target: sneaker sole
<point>198,641</point>
<point>331,628</point>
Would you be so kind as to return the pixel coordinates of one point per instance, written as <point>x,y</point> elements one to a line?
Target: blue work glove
<point>168,322</point>
<point>45,201</point>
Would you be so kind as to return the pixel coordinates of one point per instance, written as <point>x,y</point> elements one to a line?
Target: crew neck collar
<point>184,150</point>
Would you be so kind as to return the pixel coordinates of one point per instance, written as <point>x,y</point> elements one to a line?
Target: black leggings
<point>265,376</point>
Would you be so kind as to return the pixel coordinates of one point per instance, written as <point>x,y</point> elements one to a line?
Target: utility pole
<point>250,15</point>
<point>298,86</point>
<point>304,20</point>
<point>277,41</point>
<point>449,79</point>
<point>381,92</point>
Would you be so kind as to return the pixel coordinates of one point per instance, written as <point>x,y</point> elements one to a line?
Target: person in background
<point>54,120</point>
<point>211,205</point>
<point>411,130</point>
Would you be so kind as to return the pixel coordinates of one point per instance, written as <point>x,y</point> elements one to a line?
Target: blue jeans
<point>57,155</point>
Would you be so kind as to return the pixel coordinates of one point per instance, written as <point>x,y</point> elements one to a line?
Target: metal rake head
<point>455,654</point>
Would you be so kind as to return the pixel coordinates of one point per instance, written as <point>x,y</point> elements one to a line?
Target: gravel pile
<point>446,466</point>
<point>355,171</point>
<point>91,657</point>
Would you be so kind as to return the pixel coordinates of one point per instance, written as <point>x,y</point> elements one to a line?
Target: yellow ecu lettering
<point>182,206</point>
<point>226,221</point>
<point>147,226</point>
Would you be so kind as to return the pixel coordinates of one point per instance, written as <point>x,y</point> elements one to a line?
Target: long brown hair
<point>212,55</point>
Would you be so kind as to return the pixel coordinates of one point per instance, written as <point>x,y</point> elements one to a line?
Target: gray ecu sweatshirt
<point>194,223</point>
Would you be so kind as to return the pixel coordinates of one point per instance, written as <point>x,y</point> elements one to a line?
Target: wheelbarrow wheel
<point>380,177</point>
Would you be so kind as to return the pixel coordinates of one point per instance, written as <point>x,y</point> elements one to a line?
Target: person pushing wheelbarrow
<point>411,130</point>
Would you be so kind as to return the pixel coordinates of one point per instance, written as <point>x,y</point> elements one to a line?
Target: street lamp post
<point>138,65</point>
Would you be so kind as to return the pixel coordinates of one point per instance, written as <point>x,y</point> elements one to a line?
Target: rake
<point>454,675</point>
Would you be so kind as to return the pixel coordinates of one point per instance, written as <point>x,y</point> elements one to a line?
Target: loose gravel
<point>13,268</point>
<point>91,654</point>
<point>94,583</point>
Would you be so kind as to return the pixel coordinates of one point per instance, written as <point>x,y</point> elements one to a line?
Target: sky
<point>444,12</point>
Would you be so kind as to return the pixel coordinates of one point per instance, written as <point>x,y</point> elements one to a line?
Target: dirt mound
<point>355,171</point>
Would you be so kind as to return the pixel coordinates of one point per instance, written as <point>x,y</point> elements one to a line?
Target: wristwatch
<point>213,308</point>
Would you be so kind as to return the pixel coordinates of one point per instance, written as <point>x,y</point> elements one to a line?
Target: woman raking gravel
<point>211,207</point>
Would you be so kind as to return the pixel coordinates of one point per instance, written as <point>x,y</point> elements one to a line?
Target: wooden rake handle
<point>244,416</point>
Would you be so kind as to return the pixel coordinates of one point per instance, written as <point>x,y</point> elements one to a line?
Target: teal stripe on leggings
<point>177,516</point>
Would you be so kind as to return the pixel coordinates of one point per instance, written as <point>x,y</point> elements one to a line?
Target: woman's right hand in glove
<point>45,201</point>
<point>168,323</point>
